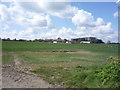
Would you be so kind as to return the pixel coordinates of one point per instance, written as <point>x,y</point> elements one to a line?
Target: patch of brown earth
<point>84,52</point>
<point>15,76</point>
<point>59,51</point>
<point>56,51</point>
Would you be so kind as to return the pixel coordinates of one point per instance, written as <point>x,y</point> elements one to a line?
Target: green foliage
<point>109,74</point>
<point>77,80</point>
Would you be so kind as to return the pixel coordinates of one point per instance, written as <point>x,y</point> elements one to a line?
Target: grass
<point>0,52</point>
<point>72,70</point>
<point>81,76</point>
<point>0,45</point>
<point>36,46</point>
<point>61,58</point>
<point>7,58</point>
<point>67,69</point>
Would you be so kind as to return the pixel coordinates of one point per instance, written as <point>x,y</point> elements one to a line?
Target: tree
<point>108,42</point>
<point>58,38</point>
<point>14,39</point>
<point>8,39</point>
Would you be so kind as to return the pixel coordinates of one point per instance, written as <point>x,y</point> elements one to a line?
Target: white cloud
<point>36,16</point>
<point>118,1</point>
<point>99,21</point>
<point>6,34</point>
<point>82,18</point>
<point>29,6</point>
<point>4,13</point>
<point>102,32</point>
<point>115,14</point>
<point>60,9</point>
<point>5,27</point>
<point>88,26</point>
<point>24,34</point>
<point>14,14</point>
<point>41,21</point>
<point>34,20</point>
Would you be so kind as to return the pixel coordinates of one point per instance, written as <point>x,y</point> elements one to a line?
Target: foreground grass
<point>7,58</point>
<point>64,59</point>
<point>68,70</point>
<point>83,77</point>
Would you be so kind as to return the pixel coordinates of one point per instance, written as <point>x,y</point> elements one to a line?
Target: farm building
<point>87,40</point>
<point>59,40</point>
<point>68,42</point>
<point>54,41</point>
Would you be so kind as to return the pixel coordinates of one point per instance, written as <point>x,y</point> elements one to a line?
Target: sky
<point>50,20</point>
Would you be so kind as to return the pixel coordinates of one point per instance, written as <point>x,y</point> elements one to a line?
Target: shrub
<point>109,74</point>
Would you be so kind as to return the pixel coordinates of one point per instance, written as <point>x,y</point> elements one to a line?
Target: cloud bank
<point>36,17</point>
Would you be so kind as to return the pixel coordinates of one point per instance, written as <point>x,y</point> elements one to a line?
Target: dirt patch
<point>84,52</point>
<point>12,78</point>
<point>58,51</point>
<point>15,76</point>
<point>67,51</point>
<point>17,61</point>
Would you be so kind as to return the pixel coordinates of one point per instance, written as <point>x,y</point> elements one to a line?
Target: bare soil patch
<point>84,52</point>
<point>14,76</point>
<point>58,51</point>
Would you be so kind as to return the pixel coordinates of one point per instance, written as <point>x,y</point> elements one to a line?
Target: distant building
<point>59,40</point>
<point>68,42</point>
<point>54,41</point>
<point>87,40</point>
<point>108,42</point>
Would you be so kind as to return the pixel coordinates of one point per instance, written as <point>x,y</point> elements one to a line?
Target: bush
<point>109,74</point>
<point>106,76</point>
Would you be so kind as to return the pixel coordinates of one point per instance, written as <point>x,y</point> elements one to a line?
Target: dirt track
<point>13,77</point>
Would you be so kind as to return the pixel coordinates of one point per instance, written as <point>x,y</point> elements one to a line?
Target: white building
<point>85,42</point>
<point>54,41</point>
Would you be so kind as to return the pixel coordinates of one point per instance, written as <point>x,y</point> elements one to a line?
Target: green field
<point>32,46</point>
<point>74,70</point>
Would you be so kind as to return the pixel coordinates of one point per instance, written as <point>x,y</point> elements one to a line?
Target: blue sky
<point>65,20</point>
<point>104,10</point>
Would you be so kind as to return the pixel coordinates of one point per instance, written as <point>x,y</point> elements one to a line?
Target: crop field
<point>65,65</point>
